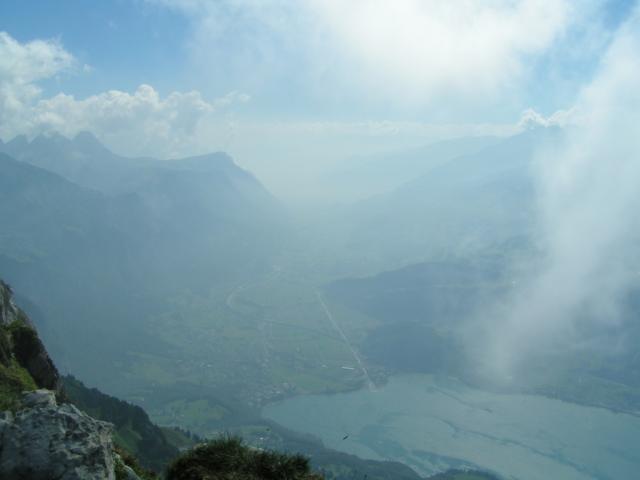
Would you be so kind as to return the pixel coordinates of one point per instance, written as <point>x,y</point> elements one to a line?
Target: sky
<point>295,86</point>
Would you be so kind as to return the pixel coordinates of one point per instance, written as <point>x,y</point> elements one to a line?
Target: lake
<point>434,423</point>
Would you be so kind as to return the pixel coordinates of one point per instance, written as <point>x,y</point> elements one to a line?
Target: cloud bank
<point>424,48</point>
<point>22,66</point>
<point>588,227</point>
<point>138,123</point>
<point>406,54</point>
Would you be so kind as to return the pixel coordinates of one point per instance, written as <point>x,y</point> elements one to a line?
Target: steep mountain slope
<point>196,208</point>
<point>465,205</point>
<point>24,362</point>
<point>82,160</point>
<point>63,246</point>
<point>50,223</point>
<point>421,308</point>
<point>133,431</point>
<point>436,292</point>
<point>140,230</point>
<point>85,161</point>
<point>362,177</point>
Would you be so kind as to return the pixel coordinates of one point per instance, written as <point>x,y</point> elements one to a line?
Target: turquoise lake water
<point>434,423</point>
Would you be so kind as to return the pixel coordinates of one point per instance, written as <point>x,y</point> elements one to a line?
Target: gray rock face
<point>54,442</point>
<point>128,471</point>
<point>31,354</point>
<point>131,475</point>
<point>24,344</point>
<point>8,309</point>
<point>39,398</point>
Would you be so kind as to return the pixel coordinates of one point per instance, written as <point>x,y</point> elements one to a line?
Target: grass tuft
<point>14,380</point>
<point>228,458</point>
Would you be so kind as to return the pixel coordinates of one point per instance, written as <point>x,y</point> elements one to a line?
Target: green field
<point>242,346</point>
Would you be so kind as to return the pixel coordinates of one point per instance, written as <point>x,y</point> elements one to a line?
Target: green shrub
<point>25,341</point>
<point>5,347</point>
<point>13,381</point>
<point>228,458</point>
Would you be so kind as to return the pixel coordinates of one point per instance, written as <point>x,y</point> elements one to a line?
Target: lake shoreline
<point>466,426</point>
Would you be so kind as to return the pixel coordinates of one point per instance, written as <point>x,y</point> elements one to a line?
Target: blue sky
<point>126,42</point>
<point>131,42</point>
<point>269,79</point>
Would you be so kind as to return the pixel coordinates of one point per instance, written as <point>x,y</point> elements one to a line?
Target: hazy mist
<point>586,223</point>
<point>419,215</point>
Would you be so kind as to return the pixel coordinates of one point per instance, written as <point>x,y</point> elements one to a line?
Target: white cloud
<point>27,63</point>
<point>588,227</point>
<point>410,52</point>
<point>561,118</point>
<point>22,66</point>
<point>231,98</point>
<point>424,48</point>
<point>138,123</point>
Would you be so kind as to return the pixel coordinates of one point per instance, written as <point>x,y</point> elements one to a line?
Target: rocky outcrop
<point>124,471</point>
<point>40,439</point>
<point>8,310</point>
<point>19,340</point>
<point>30,352</point>
<point>46,441</point>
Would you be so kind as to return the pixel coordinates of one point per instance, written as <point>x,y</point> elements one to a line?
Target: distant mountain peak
<point>85,140</point>
<point>207,162</point>
<point>18,141</point>
<point>51,136</point>
<point>85,136</point>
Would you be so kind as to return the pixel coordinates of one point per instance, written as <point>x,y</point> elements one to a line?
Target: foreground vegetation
<point>14,380</point>
<point>228,458</point>
<point>14,377</point>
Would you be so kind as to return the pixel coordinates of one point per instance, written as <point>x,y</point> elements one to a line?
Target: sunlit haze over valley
<point>320,239</point>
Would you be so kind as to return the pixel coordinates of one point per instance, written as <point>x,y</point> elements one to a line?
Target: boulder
<point>39,398</point>
<point>48,441</point>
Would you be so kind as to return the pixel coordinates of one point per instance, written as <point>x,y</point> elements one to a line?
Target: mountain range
<point>95,240</point>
